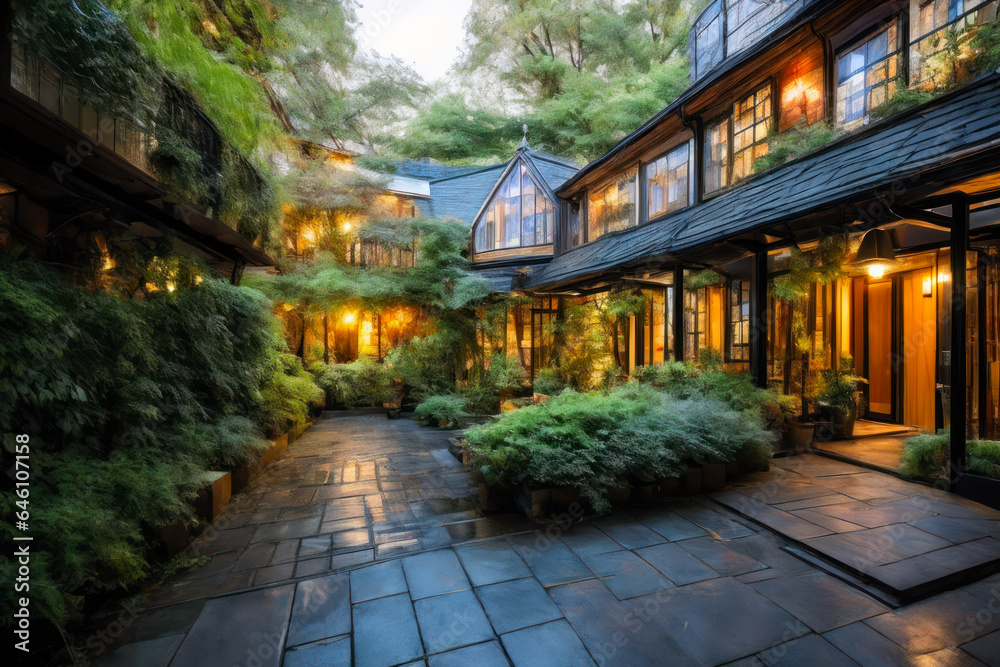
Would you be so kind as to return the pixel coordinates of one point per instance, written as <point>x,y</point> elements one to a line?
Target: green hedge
<point>600,441</point>
<point>927,455</point>
<point>126,401</point>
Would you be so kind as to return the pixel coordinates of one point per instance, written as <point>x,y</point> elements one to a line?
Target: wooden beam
<point>679,312</point>
<point>959,247</point>
<point>936,219</point>
<point>758,319</point>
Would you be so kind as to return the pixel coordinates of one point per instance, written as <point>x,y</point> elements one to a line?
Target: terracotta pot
<point>799,436</point>
<point>713,476</point>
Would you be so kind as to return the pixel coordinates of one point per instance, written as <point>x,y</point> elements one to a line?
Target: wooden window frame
<point>863,37</point>
<point>689,193</point>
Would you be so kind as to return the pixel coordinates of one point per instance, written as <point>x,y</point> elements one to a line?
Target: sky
<point>425,34</point>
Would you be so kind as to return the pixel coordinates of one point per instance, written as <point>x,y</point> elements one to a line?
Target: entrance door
<point>879,357</point>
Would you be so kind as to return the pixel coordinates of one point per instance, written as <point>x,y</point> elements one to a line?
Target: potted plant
<point>840,394</point>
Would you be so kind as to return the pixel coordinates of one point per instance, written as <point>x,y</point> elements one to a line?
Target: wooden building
<point>808,127</point>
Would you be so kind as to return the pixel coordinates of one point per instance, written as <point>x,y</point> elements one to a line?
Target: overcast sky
<point>425,34</point>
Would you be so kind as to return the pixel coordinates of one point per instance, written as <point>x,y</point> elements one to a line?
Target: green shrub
<point>359,383</point>
<point>904,99</point>
<point>794,143</point>
<point>599,441</point>
<point>926,455</point>
<point>446,410</point>
<point>287,395</point>
<point>547,382</point>
<point>128,401</point>
<point>422,365</point>
<point>984,458</point>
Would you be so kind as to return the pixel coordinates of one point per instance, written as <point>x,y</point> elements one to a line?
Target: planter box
<point>732,470</point>
<point>646,492</point>
<point>175,537</point>
<point>690,481</point>
<point>713,476</point>
<point>670,487</point>
<point>563,497</point>
<point>534,503</point>
<point>985,490</point>
<point>494,499</point>
<point>241,477</point>
<point>620,496</point>
<point>214,497</point>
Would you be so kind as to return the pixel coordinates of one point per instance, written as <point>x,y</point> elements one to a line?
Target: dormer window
<point>868,74</point>
<point>708,39</point>
<point>520,215</point>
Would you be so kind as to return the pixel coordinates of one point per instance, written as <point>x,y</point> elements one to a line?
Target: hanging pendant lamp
<point>876,253</point>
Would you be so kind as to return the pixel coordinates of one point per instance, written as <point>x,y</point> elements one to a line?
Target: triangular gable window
<point>518,216</point>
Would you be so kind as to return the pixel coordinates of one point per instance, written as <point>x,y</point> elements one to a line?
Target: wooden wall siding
<point>511,253</point>
<point>911,150</point>
<point>919,348</point>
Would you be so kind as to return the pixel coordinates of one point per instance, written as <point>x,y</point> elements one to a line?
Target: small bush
<point>599,441</point>
<point>925,455</point>
<point>984,458</point>
<point>446,410</point>
<point>359,383</point>
<point>904,99</point>
<point>547,382</point>
<point>422,365</point>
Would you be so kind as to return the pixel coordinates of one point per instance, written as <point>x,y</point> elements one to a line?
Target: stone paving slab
<point>712,587</point>
<point>907,539</point>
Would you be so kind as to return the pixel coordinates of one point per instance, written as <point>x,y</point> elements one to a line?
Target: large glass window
<point>520,215</point>
<point>717,156</point>
<point>612,207</point>
<point>667,182</point>
<point>708,41</point>
<point>739,320</point>
<point>751,124</point>
<point>938,13</point>
<point>943,44</point>
<point>868,74</point>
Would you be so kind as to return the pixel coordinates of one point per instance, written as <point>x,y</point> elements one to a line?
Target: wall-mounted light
<point>350,318</point>
<point>943,277</point>
<point>875,253</point>
<point>928,286</point>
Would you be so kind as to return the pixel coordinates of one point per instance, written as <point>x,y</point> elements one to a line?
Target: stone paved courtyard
<point>364,546</point>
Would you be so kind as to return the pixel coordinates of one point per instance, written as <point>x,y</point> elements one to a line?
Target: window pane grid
<point>751,126</point>
<point>667,182</point>
<point>520,215</point>
<point>612,207</point>
<point>868,75</point>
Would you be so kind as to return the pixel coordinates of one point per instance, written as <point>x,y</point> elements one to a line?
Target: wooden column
<point>679,312</point>
<point>959,247</point>
<point>758,319</point>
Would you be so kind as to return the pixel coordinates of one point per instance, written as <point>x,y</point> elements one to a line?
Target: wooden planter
<point>670,487</point>
<point>713,476</point>
<point>562,498</point>
<point>213,498</point>
<point>620,496</point>
<point>175,537</point>
<point>690,482</point>
<point>985,490</point>
<point>535,503</point>
<point>732,470</point>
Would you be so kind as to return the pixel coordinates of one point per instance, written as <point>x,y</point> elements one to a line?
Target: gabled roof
<point>460,192</point>
<point>897,152</point>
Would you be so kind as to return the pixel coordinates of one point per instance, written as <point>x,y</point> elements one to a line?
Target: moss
<point>904,99</point>
<point>793,144</point>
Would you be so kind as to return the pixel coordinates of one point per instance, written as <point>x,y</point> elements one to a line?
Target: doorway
<point>880,371</point>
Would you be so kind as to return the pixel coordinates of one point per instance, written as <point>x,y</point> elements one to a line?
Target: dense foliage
<point>927,455</point>
<point>650,429</point>
<point>581,76</point>
<point>359,383</point>
<point>127,401</point>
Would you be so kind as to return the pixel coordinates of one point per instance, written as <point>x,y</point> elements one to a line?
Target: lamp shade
<point>876,248</point>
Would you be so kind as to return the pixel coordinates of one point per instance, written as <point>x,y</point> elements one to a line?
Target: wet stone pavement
<point>364,546</point>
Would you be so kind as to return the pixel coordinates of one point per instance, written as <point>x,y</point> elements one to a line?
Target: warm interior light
<point>347,226</point>
<point>309,235</point>
<point>350,318</point>
<point>943,277</point>
<point>928,286</point>
<point>876,270</point>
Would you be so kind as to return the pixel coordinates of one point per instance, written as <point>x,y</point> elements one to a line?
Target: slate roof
<point>929,137</point>
<point>460,192</point>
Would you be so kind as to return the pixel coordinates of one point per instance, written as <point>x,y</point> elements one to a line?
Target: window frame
<point>482,220</point>
<point>903,44</point>
<point>731,322</point>
<point>722,17</point>
<point>770,83</point>
<point>585,208</point>
<point>690,191</point>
